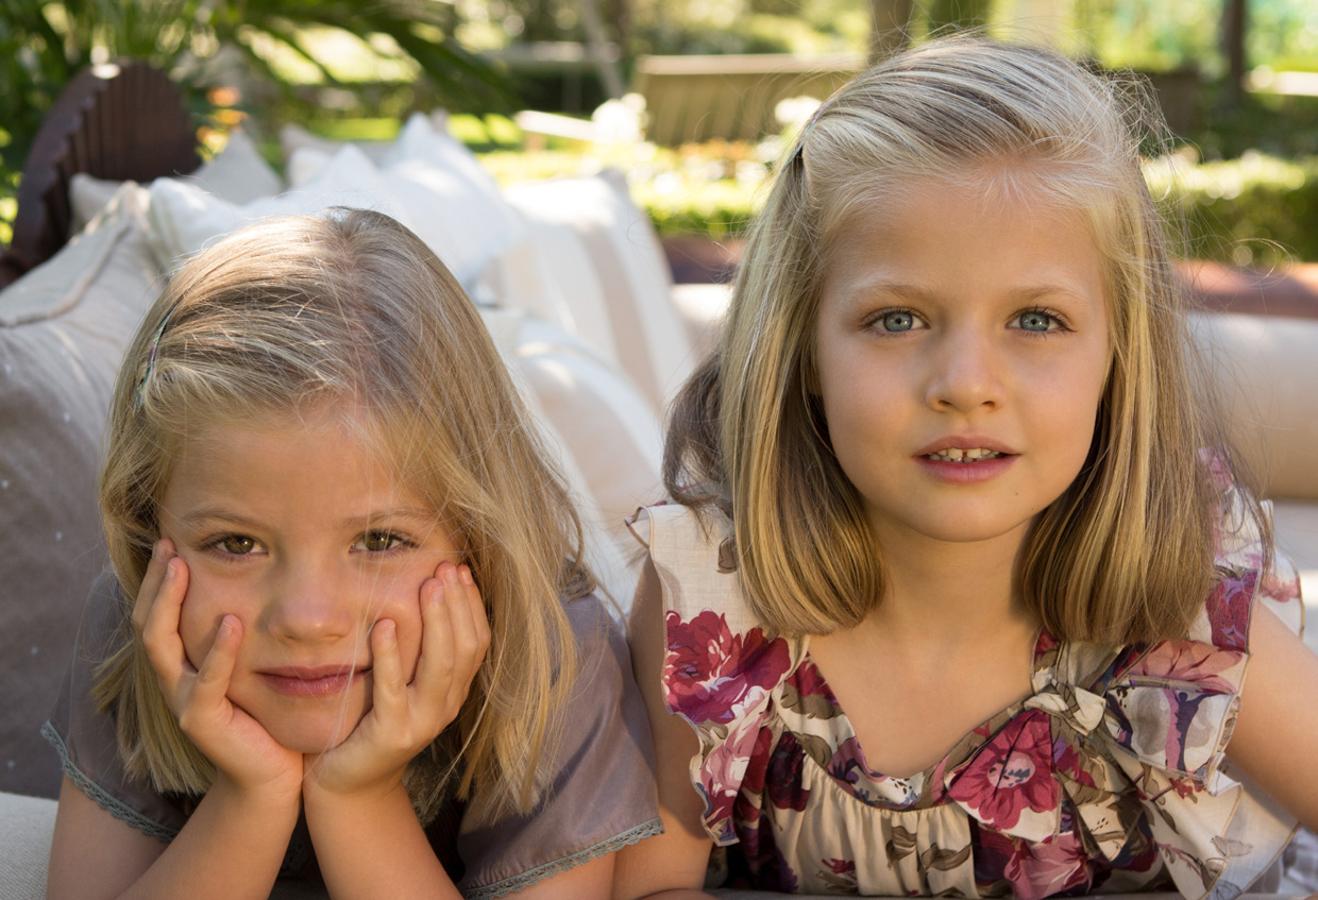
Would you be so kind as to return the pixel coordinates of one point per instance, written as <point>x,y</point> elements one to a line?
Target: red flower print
<point>810,683</point>
<point>1011,772</point>
<point>784,780</point>
<point>713,675</point>
<point>1228,609</point>
<point>768,868</point>
<point>721,776</point>
<point>1199,664</point>
<point>1048,867</point>
<point>753,782</point>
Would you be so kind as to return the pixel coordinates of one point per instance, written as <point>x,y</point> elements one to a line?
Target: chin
<point>313,735</point>
<point>967,529</point>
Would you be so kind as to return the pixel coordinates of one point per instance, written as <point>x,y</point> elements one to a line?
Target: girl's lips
<point>965,472</point>
<point>312,683</point>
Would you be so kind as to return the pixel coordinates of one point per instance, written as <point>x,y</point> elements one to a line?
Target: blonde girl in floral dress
<point>962,584</point>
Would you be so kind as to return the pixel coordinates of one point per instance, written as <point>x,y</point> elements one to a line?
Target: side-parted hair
<point>351,307</point>
<point>1125,554</point>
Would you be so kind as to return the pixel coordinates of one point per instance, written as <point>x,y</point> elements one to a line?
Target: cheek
<point>400,602</point>
<point>204,606</point>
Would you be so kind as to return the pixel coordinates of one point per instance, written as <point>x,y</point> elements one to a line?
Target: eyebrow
<point>208,513</point>
<point>1024,294</point>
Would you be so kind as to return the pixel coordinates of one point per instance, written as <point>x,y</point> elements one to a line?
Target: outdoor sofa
<point>571,281</point>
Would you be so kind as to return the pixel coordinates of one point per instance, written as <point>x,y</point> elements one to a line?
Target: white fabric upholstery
<point>647,335</point>
<point>26,824</point>
<point>237,174</point>
<point>185,218</point>
<point>1265,370</point>
<point>450,201</point>
<point>600,430</point>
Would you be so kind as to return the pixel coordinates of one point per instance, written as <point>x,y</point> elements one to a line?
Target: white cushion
<point>550,275</point>
<point>702,308</point>
<point>238,174</point>
<point>646,333</point>
<point>451,202</point>
<point>602,433</point>
<point>293,138</point>
<point>184,218</point>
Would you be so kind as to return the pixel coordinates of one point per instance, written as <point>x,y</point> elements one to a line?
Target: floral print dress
<point>1110,775</point>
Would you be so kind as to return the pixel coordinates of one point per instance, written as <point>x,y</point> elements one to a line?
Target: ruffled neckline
<point>849,767</point>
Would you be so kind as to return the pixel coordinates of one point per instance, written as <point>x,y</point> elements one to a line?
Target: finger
<point>217,669</point>
<point>164,647</point>
<point>161,551</point>
<point>479,614</point>
<point>389,691</point>
<point>466,638</point>
<point>434,669</point>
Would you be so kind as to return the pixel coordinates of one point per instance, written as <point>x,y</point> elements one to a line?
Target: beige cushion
<point>238,174</point>
<point>647,334</point>
<point>1265,369</point>
<point>63,330</point>
<point>26,826</point>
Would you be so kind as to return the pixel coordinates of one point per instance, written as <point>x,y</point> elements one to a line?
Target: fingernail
<point>465,574</point>
<point>451,574</point>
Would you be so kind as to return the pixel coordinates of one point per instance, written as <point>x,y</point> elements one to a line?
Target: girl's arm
<point>368,840</point>
<point>671,865</point>
<point>1276,736</point>
<point>233,843</point>
<point>231,846</point>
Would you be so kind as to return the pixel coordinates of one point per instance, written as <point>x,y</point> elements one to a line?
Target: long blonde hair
<point>1126,552</point>
<point>352,306</point>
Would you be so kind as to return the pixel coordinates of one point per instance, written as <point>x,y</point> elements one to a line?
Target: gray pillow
<point>63,330</point>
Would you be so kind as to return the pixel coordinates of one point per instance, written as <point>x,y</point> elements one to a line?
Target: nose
<point>965,373</point>
<point>309,603</point>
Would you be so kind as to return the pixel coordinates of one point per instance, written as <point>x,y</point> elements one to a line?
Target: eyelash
<point>215,545</point>
<point>873,321</point>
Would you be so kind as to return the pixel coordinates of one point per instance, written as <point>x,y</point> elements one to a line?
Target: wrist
<point>272,798</point>
<point>364,799</point>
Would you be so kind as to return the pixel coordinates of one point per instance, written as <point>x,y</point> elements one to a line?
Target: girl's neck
<point>958,591</point>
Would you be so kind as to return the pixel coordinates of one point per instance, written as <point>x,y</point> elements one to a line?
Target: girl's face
<point>956,320</point>
<point>298,527</point>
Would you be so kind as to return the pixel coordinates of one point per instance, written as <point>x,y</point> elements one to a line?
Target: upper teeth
<point>955,454</point>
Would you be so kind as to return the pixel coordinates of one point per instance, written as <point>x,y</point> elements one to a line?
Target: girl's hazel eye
<point>237,544</point>
<point>379,541</point>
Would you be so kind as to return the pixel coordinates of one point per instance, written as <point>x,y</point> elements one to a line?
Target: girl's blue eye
<point>897,320</point>
<point>1037,320</point>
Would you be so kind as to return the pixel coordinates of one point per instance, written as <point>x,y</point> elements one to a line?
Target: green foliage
<point>1257,210</point>
<point>269,44</point>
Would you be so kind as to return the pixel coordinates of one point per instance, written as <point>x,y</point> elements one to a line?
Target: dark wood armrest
<point>120,121</point>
